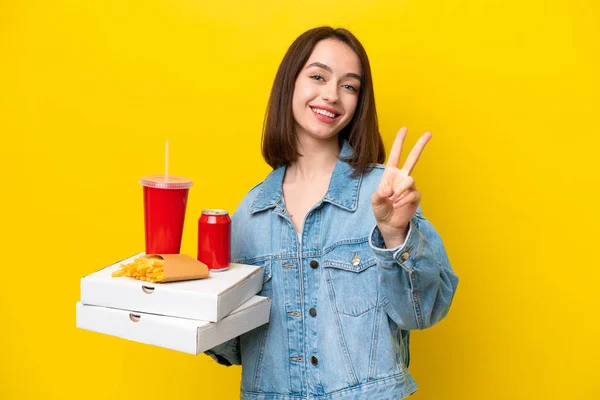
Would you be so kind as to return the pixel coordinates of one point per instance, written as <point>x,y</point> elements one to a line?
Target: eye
<point>350,88</point>
<point>316,77</point>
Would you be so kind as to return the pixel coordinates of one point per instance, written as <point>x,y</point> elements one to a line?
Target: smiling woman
<point>332,64</point>
<point>351,264</point>
<point>90,90</point>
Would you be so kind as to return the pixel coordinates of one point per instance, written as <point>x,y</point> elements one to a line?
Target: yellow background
<point>89,91</point>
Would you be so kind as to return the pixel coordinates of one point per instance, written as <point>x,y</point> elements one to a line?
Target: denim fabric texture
<point>343,305</point>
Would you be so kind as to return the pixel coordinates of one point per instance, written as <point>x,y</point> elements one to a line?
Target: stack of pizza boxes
<point>173,301</point>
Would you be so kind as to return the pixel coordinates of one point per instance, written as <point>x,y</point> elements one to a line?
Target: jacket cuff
<point>403,255</point>
<point>216,353</point>
<point>219,359</point>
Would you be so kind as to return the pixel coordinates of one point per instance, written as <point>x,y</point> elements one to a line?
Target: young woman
<point>350,262</point>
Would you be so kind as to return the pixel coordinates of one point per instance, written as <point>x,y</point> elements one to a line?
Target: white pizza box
<point>209,299</point>
<point>181,334</point>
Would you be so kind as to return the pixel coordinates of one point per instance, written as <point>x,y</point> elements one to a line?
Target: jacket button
<point>314,360</point>
<point>404,256</point>
<point>314,264</point>
<point>312,312</point>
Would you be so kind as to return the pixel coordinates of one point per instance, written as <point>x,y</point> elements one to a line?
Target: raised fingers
<point>394,157</point>
<point>413,157</point>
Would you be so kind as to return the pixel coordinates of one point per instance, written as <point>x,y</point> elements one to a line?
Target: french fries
<point>145,269</point>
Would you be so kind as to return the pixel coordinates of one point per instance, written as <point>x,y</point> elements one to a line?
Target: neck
<point>318,158</point>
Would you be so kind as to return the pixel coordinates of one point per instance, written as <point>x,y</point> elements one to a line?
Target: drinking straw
<point>167,161</point>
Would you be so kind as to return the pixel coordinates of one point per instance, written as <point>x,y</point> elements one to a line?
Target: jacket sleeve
<point>416,279</point>
<point>227,353</point>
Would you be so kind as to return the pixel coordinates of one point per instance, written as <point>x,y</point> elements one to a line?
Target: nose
<point>329,92</point>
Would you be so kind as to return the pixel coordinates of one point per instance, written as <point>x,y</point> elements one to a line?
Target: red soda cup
<point>214,239</point>
<point>165,202</point>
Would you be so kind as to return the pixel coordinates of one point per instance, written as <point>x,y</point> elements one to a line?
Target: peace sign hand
<point>397,198</point>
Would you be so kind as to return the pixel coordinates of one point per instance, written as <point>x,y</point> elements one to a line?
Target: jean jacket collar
<point>342,192</point>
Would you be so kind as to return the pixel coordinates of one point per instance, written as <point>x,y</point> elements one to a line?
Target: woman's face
<point>326,90</point>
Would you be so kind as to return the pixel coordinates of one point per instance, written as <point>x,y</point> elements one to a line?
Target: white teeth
<point>323,112</point>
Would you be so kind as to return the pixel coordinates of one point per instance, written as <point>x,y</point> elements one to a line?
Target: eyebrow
<point>328,68</point>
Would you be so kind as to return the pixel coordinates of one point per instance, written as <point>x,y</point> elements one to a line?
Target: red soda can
<point>214,239</point>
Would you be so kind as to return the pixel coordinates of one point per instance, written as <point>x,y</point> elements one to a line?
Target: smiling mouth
<point>324,113</point>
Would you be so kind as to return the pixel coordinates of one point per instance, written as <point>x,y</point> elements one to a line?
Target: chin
<point>323,135</point>
<point>323,132</point>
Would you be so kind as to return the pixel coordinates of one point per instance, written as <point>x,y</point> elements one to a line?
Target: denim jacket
<point>342,304</point>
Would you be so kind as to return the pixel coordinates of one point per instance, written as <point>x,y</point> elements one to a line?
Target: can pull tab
<point>148,289</point>
<point>134,317</point>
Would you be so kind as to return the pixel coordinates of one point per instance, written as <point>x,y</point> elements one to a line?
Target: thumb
<point>382,194</point>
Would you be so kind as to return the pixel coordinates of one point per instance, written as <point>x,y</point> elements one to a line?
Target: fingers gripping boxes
<point>189,309</point>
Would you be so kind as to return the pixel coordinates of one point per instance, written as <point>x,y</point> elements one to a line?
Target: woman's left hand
<point>397,198</point>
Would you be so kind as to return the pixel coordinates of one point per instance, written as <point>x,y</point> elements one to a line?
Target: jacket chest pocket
<point>351,279</point>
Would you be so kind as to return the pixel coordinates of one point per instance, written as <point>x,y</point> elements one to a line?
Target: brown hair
<point>362,132</point>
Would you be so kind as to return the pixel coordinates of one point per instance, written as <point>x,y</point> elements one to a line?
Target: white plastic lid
<point>158,182</point>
